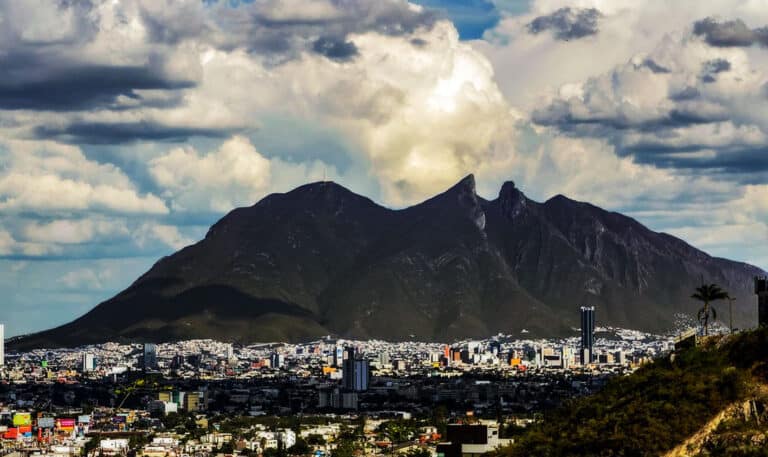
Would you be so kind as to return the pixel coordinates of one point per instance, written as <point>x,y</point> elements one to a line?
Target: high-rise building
<point>587,334</point>
<point>355,372</point>
<point>89,362</point>
<point>2,345</point>
<point>193,401</point>
<point>149,357</point>
<point>276,360</point>
<point>494,347</point>
<point>566,354</point>
<point>338,356</point>
<point>761,289</point>
<point>177,362</point>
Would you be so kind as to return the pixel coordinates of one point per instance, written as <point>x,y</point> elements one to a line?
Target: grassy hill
<point>656,410</point>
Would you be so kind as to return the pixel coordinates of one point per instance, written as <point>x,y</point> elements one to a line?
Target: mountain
<point>322,260</point>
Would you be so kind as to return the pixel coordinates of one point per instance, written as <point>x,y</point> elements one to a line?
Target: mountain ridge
<point>322,259</point>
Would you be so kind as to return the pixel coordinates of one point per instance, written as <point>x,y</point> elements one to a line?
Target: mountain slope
<point>693,399</point>
<point>321,259</point>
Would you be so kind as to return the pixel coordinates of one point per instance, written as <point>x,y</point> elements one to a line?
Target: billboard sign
<point>25,431</point>
<point>86,419</point>
<point>65,424</point>
<point>45,422</point>
<point>22,419</point>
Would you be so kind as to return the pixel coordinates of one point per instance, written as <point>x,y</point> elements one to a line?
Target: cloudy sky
<point>127,127</point>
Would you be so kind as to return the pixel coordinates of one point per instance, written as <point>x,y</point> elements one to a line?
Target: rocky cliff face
<point>322,260</point>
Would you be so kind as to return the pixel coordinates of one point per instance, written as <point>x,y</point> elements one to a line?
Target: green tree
<point>300,448</point>
<point>707,293</point>
<point>419,452</point>
<point>315,439</point>
<point>92,444</point>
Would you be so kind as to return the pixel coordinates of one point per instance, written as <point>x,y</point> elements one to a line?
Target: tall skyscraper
<point>2,345</point>
<point>338,356</point>
<point>89,362</point>
<point>355,372</point>
<point>587,334</point>
<point>149,358</point>
<point>347,367</point>
<point>276,360</point>
<point>761,289</point>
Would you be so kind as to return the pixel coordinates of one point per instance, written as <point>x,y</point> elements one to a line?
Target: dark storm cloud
<point>567,23</point>
<point>711,68</point>
<point>733,33</point>
<point>661,143</point>
<point>260,29</point>
<point>559,114</point>
<point>735,160</point>
<point>46,75</point>
<point>333,49</point>
<point>655,67</point>
<point>34,82</point>
<point>689,93</point>
<point>117,133</point>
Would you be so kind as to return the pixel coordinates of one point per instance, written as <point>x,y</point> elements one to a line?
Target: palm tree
<point>708,293</point>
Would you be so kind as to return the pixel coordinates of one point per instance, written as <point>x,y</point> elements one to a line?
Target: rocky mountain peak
<point>511,201</point>
<point>323,260</point>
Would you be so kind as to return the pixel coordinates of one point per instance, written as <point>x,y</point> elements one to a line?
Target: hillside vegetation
<point>662,404</point>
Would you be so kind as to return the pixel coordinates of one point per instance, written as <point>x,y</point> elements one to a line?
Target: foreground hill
<point>322,260</point>
<point>709,400</point>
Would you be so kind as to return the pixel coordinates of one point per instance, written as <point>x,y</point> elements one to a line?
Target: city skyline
<point>125,131</point>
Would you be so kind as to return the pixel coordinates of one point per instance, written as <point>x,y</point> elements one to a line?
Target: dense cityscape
<point>204,397</point>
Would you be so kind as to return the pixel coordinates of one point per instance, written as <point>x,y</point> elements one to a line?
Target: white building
<point>288,437</point>
<point>89,362</point>
<point>114,446</point>
<point>164,407</point>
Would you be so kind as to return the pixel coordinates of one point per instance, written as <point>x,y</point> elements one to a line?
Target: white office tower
<point>89,362</point>
<point>229,353</point>
<point>2,345</point>
<point>566,354</point>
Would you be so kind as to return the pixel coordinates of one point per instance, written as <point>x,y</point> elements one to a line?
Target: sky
<point>128,127</point>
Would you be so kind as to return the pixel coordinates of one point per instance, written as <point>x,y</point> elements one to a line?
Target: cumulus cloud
<point>688,116</point>
<point>67,231</point>
<point>169,235</point>
<point>85,279</point>
<point>7,243</point>
<point>47,176</point>
<point>233,175</point>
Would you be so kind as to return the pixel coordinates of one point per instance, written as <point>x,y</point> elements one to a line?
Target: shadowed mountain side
<point>322,260</point>
<point>220,312</point>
